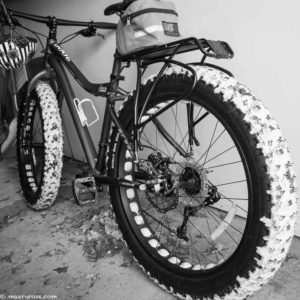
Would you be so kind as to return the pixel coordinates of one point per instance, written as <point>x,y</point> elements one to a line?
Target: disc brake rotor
<point>188,184</point>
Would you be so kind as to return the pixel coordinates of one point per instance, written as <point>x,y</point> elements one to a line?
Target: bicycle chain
<point>163,210</point>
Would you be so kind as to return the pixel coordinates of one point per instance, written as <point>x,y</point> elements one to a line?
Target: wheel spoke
<point>203,235</point>
<point>232,198</point>
<point>161,151</point>
<point>177,125</point>
<point>223,165</point>
<point>225,229</point>
<point>229,199</point>
<point>181,221</point>
<point>200,119</point>
<point>232,182</point>
<point>225,151</point>
<point>209,147</point>
<point>153,146</point>
<point>209,230</point>
<point>209,209</point>
<point>158,221</point>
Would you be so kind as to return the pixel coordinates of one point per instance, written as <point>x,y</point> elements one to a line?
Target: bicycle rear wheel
<point>40,147</point>
<point>214,220</point>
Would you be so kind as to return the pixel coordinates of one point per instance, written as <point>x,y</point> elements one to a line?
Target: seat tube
<point>107,122</point>
<point>115,74</point>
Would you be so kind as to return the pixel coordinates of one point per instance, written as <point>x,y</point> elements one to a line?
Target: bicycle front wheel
<point>214,215</point>
<point>40,147</point>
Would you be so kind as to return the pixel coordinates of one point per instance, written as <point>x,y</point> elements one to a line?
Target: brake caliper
<point>213,196</point>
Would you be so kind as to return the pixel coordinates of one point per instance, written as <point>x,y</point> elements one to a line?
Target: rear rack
<point>165,54</point>
<point>209,48</point>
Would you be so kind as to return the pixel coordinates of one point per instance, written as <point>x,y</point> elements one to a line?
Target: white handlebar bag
<point>147,23</point>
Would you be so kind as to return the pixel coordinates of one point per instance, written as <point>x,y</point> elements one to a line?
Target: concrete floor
<point>45,253</point>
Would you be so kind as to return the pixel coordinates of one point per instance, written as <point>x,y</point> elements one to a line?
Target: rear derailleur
<point>190,211</point>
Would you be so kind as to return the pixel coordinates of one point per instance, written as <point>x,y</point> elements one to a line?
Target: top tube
<point>61,22</point>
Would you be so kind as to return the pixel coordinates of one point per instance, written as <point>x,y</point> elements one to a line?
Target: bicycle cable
<point>37,34</point>
<point>69,37</point>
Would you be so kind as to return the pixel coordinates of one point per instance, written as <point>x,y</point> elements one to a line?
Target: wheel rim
<point>31,147</point>
<point>211,236</point>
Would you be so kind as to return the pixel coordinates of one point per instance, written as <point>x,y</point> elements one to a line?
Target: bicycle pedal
<point>85,190</point>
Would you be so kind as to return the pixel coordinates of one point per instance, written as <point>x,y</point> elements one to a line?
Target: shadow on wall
<point>93,56</point>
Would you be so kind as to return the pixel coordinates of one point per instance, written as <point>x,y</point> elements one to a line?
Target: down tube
<point>83,132</point>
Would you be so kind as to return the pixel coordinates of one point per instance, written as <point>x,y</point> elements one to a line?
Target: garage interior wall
<point>265,36</point>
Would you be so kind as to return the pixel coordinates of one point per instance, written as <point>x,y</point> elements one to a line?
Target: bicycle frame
<point>189,214</point>
<point>54,61</point>
<point>57,61</point>
<point>56,58</point>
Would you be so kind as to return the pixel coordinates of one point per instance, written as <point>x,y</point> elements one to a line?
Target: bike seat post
<point>115,75</point>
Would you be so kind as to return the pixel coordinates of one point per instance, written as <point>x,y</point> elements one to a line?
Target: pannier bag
<point>147,23</point>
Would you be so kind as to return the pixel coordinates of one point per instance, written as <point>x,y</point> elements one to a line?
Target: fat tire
<point>40,193</point>
<point>275,217</point>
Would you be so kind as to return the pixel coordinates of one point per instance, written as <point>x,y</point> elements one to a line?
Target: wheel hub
<point>190,181</point>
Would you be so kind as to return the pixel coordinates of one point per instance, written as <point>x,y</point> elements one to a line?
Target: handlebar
<point>60,22</point>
